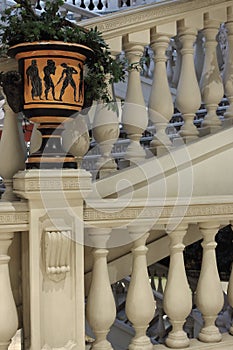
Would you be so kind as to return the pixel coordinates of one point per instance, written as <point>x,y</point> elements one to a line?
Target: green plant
<point>22,23</point>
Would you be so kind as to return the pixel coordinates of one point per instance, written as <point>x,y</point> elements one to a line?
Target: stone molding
<point>191,213</point>
<point>144,17</point>
<point>53,180</point>
<point>14,216</point>
<point>69,346</point>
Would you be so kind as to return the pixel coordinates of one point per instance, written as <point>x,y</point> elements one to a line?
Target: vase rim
<point>45,44</point>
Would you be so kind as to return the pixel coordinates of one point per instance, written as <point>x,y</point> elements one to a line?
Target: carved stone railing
<point>189,30</point>
<point>58,208</point>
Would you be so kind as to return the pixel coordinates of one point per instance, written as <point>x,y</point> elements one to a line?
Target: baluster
<point>95,3</point>
<point>199,55</point>
<point>160,102</point>
<point>188,98</point>
<point>177,295</point>
<point>134,114</point>
<point>113,5</point>
<point>230,290</point>
<point>8,312</point>
<point>100,309</point>
<point>104,3</point>
<point>209,281</point>
<point>211,83</point>
<point>78,4</point>
<point>106,132</point>
<point>12,155</point>
<point>140,304</point>
<point>86,4</point>
<point>228,68</point>
<point>75,138</point>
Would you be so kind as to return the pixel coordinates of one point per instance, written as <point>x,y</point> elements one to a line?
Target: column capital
<point>97,237</point>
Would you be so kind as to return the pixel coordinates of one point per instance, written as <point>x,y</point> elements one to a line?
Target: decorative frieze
<point>52,180</point>
<point>145,18</point>
<point>13,218</point>
<point>159,212</point>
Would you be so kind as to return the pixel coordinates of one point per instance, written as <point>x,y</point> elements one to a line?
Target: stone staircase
<point>158,199</point>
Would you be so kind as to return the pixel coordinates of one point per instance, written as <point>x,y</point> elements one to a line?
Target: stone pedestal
<point>56,277</point>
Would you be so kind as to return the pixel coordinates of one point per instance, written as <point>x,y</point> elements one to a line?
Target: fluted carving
<point>134,114</point>
<point>209,281</point>
<point>100,309</point>
<point>140,304</point>
<point>228,68</point>
<point>211,83</point>
<point>177,294</point>
<point>188,98</point>
<point>9,318</point>
<point>160,102</point>
<point>57,253</point>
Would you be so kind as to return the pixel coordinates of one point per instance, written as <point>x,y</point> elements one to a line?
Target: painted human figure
<point>67,75</point>
<point>49,70</point>
<point>32,73</point>
<point>80,86</point>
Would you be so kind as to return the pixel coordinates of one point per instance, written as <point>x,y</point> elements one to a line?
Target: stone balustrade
<point>121,212</point>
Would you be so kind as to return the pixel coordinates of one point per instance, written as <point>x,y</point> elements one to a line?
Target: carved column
<point>134,114</point>
<point>228,68</point>
<point>177,295</point>
<point>12,156</point>
<point>9,318</point>
<point>211,83</point>
<point>209,282</point>
<point>160,102</point>
<point>188,98</point>
<point>140,304</point>
<point>100,308</point>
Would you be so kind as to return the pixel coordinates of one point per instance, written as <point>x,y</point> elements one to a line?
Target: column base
<point>210,334</point>
<point>177,340</point>
<point>102,345</point>
<point>227,122</point>
<point>188,139</point>
<point>159,151</point>
<point>141,343</point>
<point>206,130</point>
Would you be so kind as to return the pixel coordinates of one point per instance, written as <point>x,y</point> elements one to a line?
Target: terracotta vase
<point>53,83</point>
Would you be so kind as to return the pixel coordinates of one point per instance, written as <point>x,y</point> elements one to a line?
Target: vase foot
<point>37,161</point>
